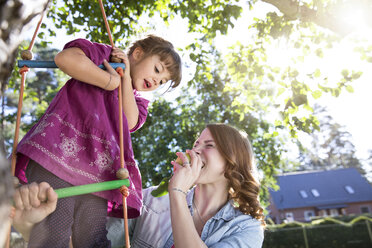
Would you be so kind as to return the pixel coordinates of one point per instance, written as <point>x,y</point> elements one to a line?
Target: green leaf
<point>317,73</point>
<point>319,53</point>
<point>356,75</point>
<point>162,189</point>
<point>316,94</point>
<point>300,99</point>
<point>344,73</point>
<point>280,91</point>
<point>350,89</point>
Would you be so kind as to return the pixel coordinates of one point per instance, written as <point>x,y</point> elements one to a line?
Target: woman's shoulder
<point>155,204</point>
<point>231,226</point>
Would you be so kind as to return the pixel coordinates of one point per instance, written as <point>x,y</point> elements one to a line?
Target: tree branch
<point>293,10</point>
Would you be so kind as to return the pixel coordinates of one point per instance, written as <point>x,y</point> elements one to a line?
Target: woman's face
<point>213,163</point>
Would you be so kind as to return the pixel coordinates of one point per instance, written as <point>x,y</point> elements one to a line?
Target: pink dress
<point>77,138</point>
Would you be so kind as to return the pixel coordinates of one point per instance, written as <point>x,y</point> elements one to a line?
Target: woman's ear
<point>137,54</point>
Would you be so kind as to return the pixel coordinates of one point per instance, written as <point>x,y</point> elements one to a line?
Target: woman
<point>222,210</point>
<point>221,168</point>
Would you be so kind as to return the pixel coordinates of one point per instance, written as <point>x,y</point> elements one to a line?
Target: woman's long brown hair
<point>243,187</point>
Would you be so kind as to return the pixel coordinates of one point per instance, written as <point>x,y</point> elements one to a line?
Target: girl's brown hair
<point>243,187</point>
<point>154,45</point>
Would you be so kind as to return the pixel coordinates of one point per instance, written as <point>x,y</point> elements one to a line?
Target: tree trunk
<point>15,17</point>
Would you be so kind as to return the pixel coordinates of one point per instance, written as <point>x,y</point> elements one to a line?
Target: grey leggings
<point>83,218</point>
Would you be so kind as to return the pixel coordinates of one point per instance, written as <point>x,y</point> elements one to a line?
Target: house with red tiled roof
<point>304,195</point>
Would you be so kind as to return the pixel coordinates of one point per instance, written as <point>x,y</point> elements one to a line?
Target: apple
<point>179,160</point>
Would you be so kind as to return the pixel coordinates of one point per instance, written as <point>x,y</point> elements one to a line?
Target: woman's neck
<point>209,200</point>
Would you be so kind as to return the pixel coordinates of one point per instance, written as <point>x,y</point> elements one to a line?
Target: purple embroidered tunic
<point>77,138</point>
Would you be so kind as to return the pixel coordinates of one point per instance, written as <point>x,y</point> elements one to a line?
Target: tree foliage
<point>331,146</point>
<point>240,86</point>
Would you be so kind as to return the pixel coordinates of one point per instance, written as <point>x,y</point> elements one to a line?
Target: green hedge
<point>321,233</point>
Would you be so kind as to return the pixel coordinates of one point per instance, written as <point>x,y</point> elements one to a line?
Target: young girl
<point>77,139</point>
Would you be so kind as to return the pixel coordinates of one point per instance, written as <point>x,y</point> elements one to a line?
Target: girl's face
<point>213,163</point>
<point>147,73</point>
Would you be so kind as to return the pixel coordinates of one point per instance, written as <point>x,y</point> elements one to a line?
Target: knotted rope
<point>123,190</point>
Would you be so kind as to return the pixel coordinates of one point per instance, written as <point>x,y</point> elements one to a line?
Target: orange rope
<point>35,33</point>
<point>106,22</point>
<point>122,191</point>
<point>121,73</point>
<point>23,71</point>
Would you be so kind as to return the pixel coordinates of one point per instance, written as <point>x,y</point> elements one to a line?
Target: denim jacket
<point>228,228</point>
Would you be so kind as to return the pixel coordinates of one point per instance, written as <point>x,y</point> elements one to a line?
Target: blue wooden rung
<point>51,64</point>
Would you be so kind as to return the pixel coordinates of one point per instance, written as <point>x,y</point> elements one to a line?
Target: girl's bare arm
<point>76,64</point>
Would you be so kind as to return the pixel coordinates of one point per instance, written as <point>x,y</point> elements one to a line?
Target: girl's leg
<point>55,230</point>
<point>89,229</point>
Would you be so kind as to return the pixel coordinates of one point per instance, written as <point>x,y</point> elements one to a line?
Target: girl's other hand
<point>118,53</point>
